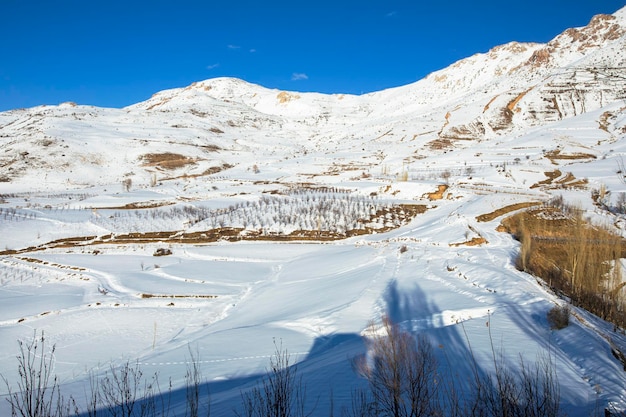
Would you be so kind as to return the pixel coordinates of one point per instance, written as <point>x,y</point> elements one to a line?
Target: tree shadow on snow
<point>328,377</point>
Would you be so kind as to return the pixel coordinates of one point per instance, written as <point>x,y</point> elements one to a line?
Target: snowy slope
<point>487,127</point>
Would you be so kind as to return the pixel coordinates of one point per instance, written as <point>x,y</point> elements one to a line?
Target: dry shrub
<point>405,380</point>
<point>401,372</point>
<point>558,317</point>
<point>162,252</point>
<point>440,144</point>
<point>441,189</point>
<point>167,160</point>
<point>282,393</point>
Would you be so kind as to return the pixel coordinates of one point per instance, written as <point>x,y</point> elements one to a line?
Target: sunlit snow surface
<point>231,302</point>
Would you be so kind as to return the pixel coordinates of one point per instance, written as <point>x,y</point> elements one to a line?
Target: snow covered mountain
<point>520,123</point>
<point>503,92</point>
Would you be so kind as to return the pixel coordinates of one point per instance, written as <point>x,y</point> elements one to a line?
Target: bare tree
<point>124,392</point>
<point>360,405</point>
<point>38,392</point>
<point>529,391</point>
<point>281,394</point>
<point>92,397</point>
<point>127,183</point>
<point>119,389</point>
<point>402,372</point>
<point>193,379</point>
<point>445,175</point>
<point>533,391</point>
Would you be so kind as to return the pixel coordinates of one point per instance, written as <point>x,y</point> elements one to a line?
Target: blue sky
<point>114,53</point>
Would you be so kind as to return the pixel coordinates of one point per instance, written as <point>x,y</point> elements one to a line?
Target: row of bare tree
<point>402,372</point>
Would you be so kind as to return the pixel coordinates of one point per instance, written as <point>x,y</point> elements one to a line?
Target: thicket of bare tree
<point>322,210</point>
<point>121,392</point>
<point>193,384</point>
<point>405,380</point>
<point>402,371</point>
<point>281,393</point>
<point>37,393</point>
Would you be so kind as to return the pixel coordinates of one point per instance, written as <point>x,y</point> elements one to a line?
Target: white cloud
<point>231,46</point>
<point>297,76</point>
<point>391,14</point>
<point>252,51</point>
<point>212,66</point>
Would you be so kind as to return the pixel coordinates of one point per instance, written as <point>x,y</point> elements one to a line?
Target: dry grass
<point>437,195</point>
<point>513,103</point>
<point>209,171</point>
<point>167,160</point>
<point>487,217</point>
<point>572,256</point>
<point>552,175</point>
<point>558,317</point>
<point>603,122</point>
<point>556,180</point>
<point>285,97</point>
<point>475,241</point>
<point>440,144</point>
<point>489,104</point>
<point>556,154</point>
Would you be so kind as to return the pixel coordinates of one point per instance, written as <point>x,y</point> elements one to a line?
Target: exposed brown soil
<point>489,104</point>
<point>603,122</point>
<point>552,175</point>
<point>567,181</point>
<point>437,195</point>
<point>52,264</point>
<point>504,210</point>
<point>557,155</point>
<point>208,171</point>
<point>440,144</point>
<point>284,97</point>
<point>471,131</point>
<point>167,160</point>
<point>139,205</point>
<point>513,103</point>
<point>475,241</point>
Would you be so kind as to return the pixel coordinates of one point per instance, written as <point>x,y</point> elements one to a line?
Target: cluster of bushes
<point>120,392</point>
<point>402,372</point>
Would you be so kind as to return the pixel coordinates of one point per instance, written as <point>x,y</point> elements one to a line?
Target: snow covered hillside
<point>302,217</point>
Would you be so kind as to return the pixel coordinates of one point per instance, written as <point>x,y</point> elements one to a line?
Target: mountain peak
<point>601,30</point>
